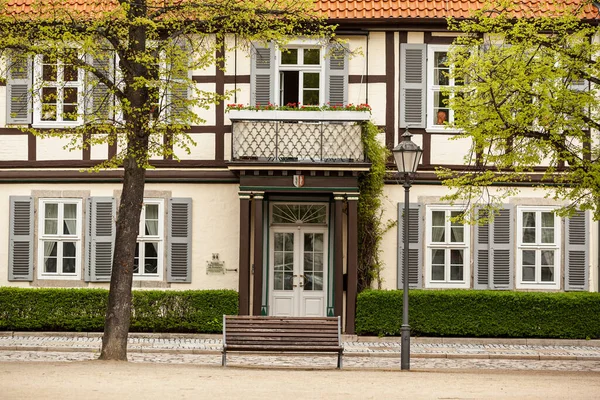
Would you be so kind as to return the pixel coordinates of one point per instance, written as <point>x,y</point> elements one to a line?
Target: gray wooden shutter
<point>502,250</point>
<point>100,238</point>
<point>337,77</point>
<point>413,85</point>
<point>100,101</point>
<point>18,90</point>
<point>481,262</point>
<point>20,248</point>
<point>415,244</point>
<point>179,88</point>
<point>262,78</point>
<point>576,252</point>
<point>179,251</point>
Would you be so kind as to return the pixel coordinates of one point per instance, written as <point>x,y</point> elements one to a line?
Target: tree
<point>529,104</point>
<point>142,100</point>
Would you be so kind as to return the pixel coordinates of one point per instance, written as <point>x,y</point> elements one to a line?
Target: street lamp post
<point>407,156</point>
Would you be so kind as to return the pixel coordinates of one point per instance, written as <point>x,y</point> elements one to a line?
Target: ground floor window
<point>149,249</point>
<point>538,252</point>
<point>59,249</point>
<point>447,257</point>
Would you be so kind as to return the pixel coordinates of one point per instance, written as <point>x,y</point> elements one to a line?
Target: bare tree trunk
<point>118,315</point>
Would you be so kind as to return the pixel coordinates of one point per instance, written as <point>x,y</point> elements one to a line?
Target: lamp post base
<point>405,347</point>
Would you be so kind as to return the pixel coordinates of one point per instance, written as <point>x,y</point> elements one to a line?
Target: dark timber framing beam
<point>258,253</point>
<point>338,263</point>
<point>244,253</point>
<point>352,270</point>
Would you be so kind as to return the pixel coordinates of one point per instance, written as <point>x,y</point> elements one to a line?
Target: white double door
<point>298,272</point>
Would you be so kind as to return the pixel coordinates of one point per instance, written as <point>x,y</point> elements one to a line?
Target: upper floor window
<point>149,248</point>
<point>304,73</point>
<point>49,91</point>
<point>59,246</point>
<point>58,84</point>
<point>447,257</point>
<point>300,74</point>
<point>538,252</point>
<point>438,70</point>
<point>425,86</point>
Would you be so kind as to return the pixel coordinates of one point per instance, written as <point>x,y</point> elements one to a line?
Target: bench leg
<point>224,359</point>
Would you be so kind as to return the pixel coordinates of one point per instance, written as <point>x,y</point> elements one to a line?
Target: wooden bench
<point>282,334</point>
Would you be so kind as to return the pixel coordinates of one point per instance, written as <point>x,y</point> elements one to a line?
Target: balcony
<point>276,136</point>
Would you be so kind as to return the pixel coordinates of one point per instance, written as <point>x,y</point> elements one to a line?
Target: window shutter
<point>502,250</point>
<point>18,90</point>
<point>179,254</point>
<point>179,88</point>
<point>262,78</point>
<point>100,238</point>
<point>415,246</point>
<point>482,253</point>
<point>20,249</point>
<point>577,233</point>
<point>99,101</point>
<point>413,85</point>
<point>337,77</point>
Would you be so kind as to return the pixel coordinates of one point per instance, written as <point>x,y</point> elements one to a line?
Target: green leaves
<point>83,310</point>
<point>479,313</point>
<point>527,106</point>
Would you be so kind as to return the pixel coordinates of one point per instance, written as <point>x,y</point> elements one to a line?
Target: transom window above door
<point>299,214</point>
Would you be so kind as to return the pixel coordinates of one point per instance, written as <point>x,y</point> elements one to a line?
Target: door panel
<point>298,271</point>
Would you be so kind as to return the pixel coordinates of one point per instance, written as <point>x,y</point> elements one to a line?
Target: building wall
<point>215,218</point>
<point>429,195</point>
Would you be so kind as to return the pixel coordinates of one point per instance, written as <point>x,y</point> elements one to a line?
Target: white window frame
<point>39,84</point>
<point>432,89</point>
<point>59,238</point>
<point>159,237</point>
<point>465,245</point>
<point>538,247</point>
<point>302,68</point>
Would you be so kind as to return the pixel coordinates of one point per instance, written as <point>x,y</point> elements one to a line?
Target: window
<point>304,73</point>
<point>58,86</point>
<point>438,112</point>
<point>538,252</point>
<point>148,262</point>
<point>424,73</point>
<point>300,76</point>
<point>447,257</point>
<point>59,246</point>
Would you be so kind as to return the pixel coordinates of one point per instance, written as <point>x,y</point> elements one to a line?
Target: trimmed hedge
<point>474,313</point>
<point>83,310</point>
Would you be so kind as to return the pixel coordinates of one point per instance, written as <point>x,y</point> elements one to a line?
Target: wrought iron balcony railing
<point>297,136</point>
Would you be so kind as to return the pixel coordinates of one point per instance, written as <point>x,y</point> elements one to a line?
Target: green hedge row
<point>474,313</point>
<point>83,310</point>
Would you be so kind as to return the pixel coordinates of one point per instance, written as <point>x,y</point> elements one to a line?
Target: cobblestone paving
<point>316,362</point>
<point>191,349</point>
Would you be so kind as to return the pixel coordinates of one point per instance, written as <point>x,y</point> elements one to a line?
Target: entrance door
<point>298,273</point>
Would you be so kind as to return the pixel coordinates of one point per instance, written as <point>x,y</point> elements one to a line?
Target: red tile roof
<point>369,9</point>
<point>348,9</point>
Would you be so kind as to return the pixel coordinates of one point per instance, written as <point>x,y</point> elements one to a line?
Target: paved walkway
<point>359,352</point>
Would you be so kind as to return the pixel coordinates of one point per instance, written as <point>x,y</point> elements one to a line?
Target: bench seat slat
<point>282,334</point>
<point>284,348</point>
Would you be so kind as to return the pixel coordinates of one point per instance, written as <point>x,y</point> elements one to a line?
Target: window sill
<point>60,277</point>
<point>56,125</point>
<point>447,285</point>
<point>441,129</point>
<point>147,278</point>
<point>539,286</point>
<point>292,115</point>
